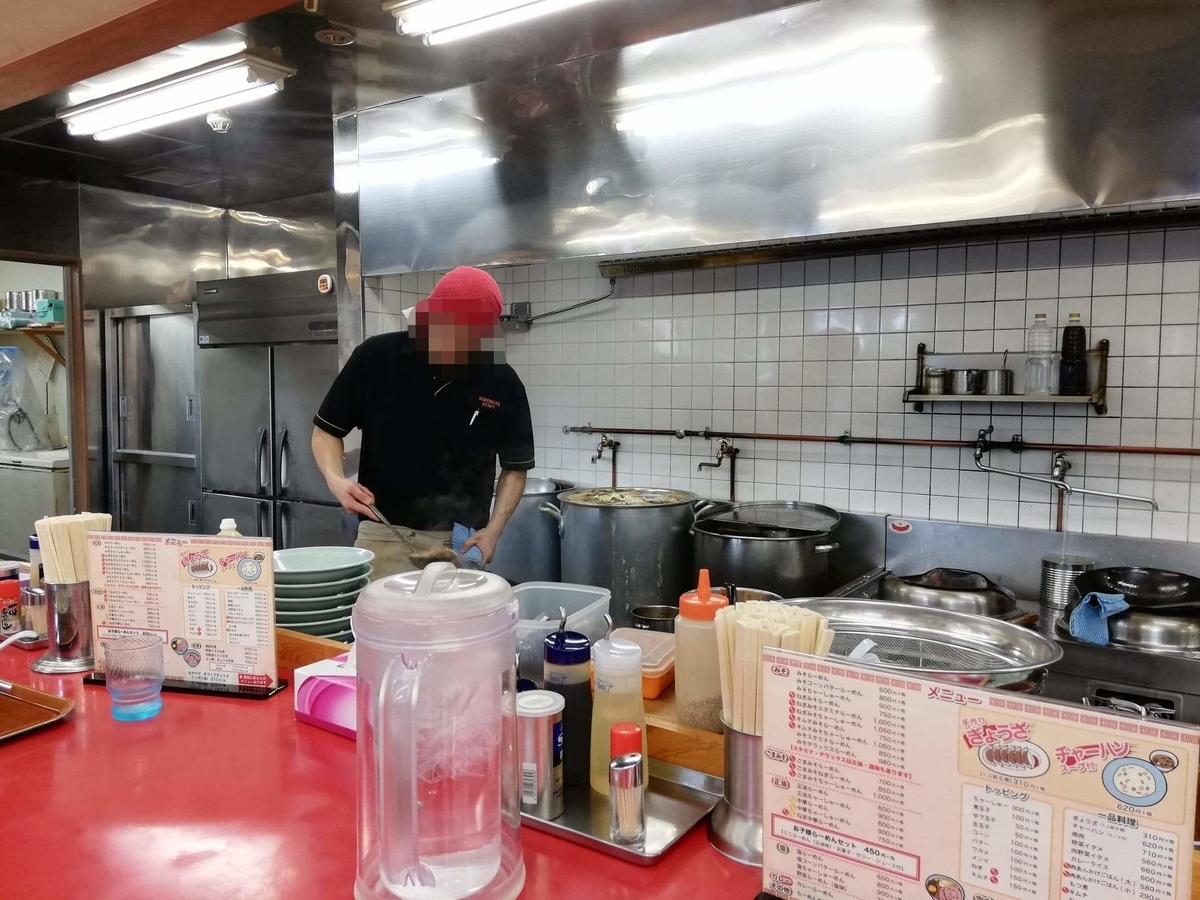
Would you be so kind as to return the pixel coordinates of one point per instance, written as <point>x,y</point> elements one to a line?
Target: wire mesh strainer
<point>930,641</point>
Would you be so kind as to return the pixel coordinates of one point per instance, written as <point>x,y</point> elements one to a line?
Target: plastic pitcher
<point>438,799</point>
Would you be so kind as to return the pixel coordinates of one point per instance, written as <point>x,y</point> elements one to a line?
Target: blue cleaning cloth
<point>458,536</point>
<point>1089,621</point>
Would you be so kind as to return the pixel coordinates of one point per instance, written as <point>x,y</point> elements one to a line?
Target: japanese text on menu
<point>211,600</point>
<point>881,786</point>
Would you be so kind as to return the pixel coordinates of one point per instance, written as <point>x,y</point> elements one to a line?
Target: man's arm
<point>327,451</point>
<point>509,489</point>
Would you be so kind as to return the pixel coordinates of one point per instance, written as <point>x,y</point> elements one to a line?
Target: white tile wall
<point>820,346</point>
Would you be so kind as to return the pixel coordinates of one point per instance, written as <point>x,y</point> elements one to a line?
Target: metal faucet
<point>725,450</point>
<point>1057,477</point>
<point>606,443</point>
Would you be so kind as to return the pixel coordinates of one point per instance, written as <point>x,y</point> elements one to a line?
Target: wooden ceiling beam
<point>152,28</point>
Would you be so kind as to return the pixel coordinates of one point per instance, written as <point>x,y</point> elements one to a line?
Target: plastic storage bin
<point>658,658</point>
<point>586,608</point>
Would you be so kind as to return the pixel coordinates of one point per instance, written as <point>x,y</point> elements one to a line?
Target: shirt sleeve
<point>342,409</point>
<point>516,443</point>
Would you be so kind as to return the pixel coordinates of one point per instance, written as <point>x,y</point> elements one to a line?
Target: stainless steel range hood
<point>834,117</point>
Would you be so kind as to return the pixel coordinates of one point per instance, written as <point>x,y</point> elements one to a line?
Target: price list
<point>128,563</point>
<point>1007,838</point>
<point>210,599</point>
<point>247,617</point>
<point>1113,856</point>
<point>879,785</point>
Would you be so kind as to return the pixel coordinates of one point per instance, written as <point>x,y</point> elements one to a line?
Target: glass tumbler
<point>133,673</point>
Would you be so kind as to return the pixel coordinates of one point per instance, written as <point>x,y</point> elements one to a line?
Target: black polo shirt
<point>429,442</point>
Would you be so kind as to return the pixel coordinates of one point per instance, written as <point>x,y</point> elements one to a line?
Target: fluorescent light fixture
<point>231,81</point>
<point>442,21</point>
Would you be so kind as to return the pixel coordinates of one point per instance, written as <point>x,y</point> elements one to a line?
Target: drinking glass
<point>133,672</point>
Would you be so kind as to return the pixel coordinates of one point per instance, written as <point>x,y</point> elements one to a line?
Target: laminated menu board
<point>882,786</point>
<point>211,599</point>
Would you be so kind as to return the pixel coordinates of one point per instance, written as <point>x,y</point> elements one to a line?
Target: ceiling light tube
<point>233,80</point>
<point>442,21</point>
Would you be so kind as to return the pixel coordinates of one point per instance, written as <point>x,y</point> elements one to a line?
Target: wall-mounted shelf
<point>1012,361</point>
<point>40,335</point>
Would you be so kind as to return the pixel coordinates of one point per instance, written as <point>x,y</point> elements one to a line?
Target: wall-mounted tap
<point>606,443</point>
<point>725,450</point>
<point>1057,477</point>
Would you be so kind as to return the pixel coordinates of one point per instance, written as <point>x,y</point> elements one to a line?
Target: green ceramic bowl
<point>323,588</point>
<point>317,565</point>
<point>285,619</point>
<point>314,604</point>
<point>333,626</point>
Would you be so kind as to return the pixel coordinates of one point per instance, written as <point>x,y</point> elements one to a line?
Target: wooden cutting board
<point>23,709</point>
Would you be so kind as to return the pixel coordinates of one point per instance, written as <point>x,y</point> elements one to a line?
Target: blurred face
<point>454,339</point>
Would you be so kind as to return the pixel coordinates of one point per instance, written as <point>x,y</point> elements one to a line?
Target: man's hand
<point>485,539</point>
<point>353,496</point>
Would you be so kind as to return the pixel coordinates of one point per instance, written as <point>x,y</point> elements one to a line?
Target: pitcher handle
<point>396,798</point>
<point>429,578</point>
<point>551,510</point>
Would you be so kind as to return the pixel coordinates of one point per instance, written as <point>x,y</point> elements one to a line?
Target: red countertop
<point>236,800</point>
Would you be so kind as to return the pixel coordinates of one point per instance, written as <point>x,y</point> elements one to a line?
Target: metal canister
<point>68,629</point>
<point>540,742</point>
<point>1058,579</point>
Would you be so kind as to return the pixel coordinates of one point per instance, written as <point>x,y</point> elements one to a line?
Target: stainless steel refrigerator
<point>268,353</point>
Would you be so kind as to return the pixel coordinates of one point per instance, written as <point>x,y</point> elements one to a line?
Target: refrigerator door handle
<point>285,537</point>
<point>260,457</point>
<point>263,521</point>
<point>283,459</point>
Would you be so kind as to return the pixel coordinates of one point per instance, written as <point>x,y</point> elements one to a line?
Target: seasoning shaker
<point>618,698</point>
<point>567,671</point>
<point>539,718</point>
<point>627,799</point>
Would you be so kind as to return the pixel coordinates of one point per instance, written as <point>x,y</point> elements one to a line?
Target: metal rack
<point>1013,361</point>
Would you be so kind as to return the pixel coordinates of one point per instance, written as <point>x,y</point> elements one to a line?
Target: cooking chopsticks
<point>742,632</point>
<point>63,542</point>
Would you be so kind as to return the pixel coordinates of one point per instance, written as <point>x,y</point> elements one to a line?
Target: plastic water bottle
<point>1039,366</point>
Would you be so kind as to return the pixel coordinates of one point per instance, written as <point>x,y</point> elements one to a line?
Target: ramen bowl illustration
<point>1019,758</point>
<point>179,645</point>
<point>943,887</point>
<point>1134,781</point>
<point>192,657</point>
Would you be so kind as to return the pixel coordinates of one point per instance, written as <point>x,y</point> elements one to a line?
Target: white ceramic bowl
<point>315,565</point>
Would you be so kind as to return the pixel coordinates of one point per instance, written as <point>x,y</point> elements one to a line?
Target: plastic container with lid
<point>658,658</point>
<point>618,699</point>
<point>697,668</point>
<point>538,603</point>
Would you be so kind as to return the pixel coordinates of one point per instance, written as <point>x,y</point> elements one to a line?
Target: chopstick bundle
<point>742,632</point>
<point>63,542</point>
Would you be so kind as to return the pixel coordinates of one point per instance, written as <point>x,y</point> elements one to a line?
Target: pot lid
<point>770,518</point>
<point>539,486</point>
<point>1156,632</point>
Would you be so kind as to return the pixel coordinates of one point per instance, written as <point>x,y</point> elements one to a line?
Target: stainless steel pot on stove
<point>633,541</point>
<point>953,589</point>
<point>778,546</point>
<point>529,550</point>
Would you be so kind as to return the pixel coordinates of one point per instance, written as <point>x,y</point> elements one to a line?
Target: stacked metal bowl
<point>315,589</point>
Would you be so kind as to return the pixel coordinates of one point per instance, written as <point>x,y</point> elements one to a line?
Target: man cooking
<point>436,408</point>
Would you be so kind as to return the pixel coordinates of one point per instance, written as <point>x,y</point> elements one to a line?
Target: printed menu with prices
<point>211,599</point>
<point>882,786</point>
